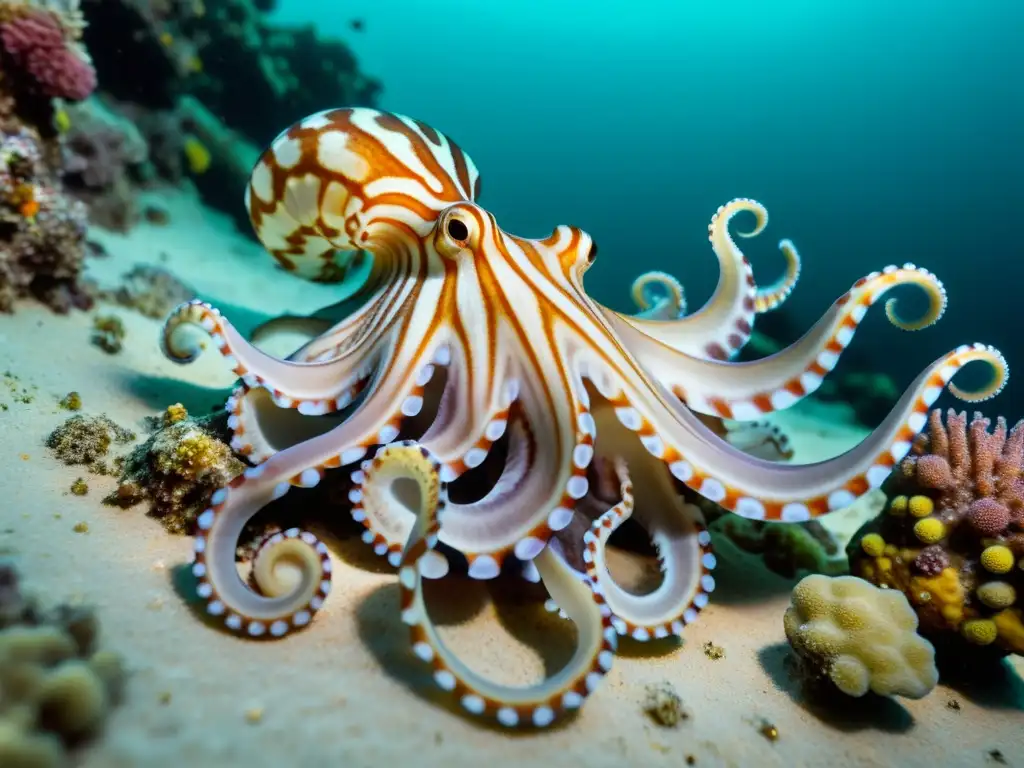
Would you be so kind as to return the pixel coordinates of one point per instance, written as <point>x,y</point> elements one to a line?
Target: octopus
<point>490,413</point>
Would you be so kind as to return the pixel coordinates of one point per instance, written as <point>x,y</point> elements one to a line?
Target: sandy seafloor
<point>348,692</point>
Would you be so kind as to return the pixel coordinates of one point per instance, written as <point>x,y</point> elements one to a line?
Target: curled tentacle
<point>310,388</point>
<point>766,490</point>
<point>538,705</point>
<point>719,329</point>
<point>375,421</point>
<point>670,305</point>
<point>684,551</point>
<point>746,391</point>
<point>772,297</point>
<point>533,497</point>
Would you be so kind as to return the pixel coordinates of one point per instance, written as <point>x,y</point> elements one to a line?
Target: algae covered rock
<point>859,637</point>
<point>178,468</point>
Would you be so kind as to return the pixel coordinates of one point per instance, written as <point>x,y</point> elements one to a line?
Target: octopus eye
<point>457,229</point>
<point>592,254</point>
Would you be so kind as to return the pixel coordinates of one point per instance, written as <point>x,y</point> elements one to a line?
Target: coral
<point>953,533</point>
<point>87,440</point>
<point>42,232</point>
<point>178,468</point>
<point>56,687</point>
<point>859,637</point>
<point>182,86</point>
<point>41,44</point>
<point>104,156</point>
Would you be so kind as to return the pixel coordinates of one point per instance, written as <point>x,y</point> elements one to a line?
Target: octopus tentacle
<point>670,305</point>
<point>260,426</point>
<point>310,388</point>
<point>684,549</point>
<point>746,391</point>
<point>766,490</point>
<point>771,297</point>
<point>375,421</point>
<point>538,705</point>
<point>723,325</point>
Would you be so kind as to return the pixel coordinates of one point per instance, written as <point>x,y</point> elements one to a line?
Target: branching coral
<point>178,469</point>
<point>41,41</point>
<point>860,637</point>
<point>55,687</point>
<point>952,534</point>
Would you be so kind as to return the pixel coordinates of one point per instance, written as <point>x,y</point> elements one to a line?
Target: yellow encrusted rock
<point>860,637</point>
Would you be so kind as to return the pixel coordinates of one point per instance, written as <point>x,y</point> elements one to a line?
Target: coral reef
<point>859,637</point>
<point>56,688</point>
<point>178,468</point>
<point>87,440</point>
<point>42,232</point>
<point>105,154</point>
<point>952,534</point>
<point>181,87</point>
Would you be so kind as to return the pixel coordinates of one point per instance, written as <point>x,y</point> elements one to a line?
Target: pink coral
<point>36,43</point>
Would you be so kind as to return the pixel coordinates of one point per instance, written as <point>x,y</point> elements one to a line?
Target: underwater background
<point>874,132</point>
<point>825,590</point>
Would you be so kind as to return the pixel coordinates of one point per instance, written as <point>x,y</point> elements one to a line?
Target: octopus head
<point>354,181</point>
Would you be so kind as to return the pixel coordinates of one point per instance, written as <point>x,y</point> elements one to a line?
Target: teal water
<point>875,132</point>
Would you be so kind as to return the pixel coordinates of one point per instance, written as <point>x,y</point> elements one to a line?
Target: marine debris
<point>56,687</point>
<point>859,637</point>
<point>951,536</point>
<point>178,468</point>
<point>42,230</point>
<point>664,706</point>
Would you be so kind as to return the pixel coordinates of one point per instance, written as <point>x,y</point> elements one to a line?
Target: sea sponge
<point>860,637</point>
<point>955,521</point>
<point>56,688</point>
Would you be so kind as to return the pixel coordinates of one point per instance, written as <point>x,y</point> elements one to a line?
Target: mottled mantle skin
<point>472,347</point>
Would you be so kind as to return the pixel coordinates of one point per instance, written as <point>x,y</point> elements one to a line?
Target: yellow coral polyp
<point>944,591</point>
<point>980,631</point>
<point>930,530</point>
<point>898,506</point>
<point>997,559</point>
<point>920,506</point>
<point>1011,629</point>
<point>997,594</point>
<point>873,545</point>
